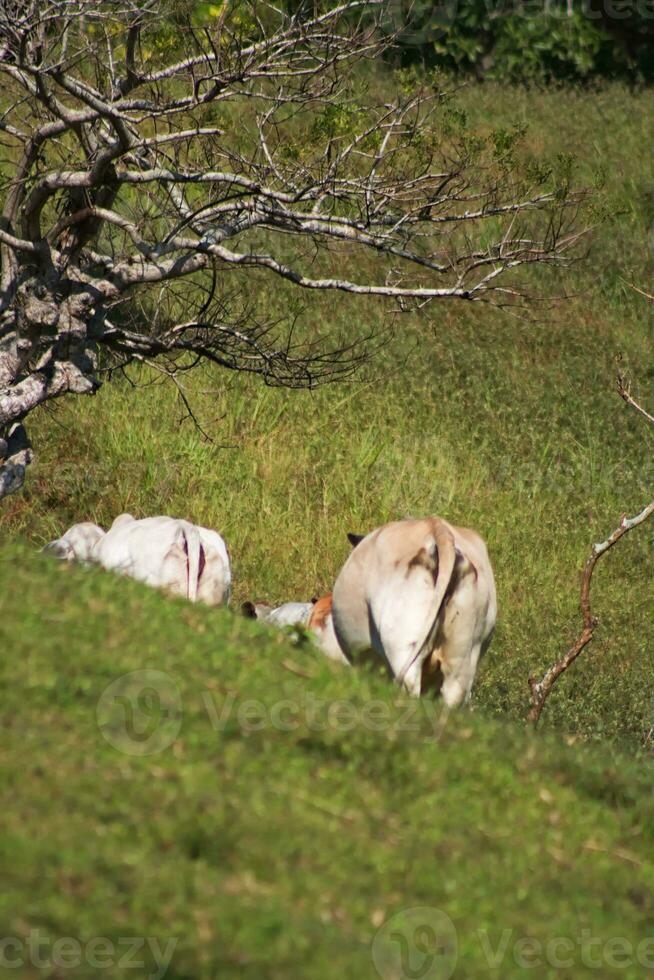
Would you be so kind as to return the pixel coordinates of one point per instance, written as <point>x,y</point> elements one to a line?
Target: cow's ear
<point>248,610</point>
<point>314,600</point>
<point>354,539</point>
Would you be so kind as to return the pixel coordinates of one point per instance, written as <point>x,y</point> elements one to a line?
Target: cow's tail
<point>438,556</point>
<point>446,561</point>
<point>193,549</point>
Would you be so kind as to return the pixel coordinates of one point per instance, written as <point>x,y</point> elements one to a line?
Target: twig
<point>637,290</point>
<point>540,690</point>
<point>624,390</point>
<point>327,808</point>
<point>294,669</point>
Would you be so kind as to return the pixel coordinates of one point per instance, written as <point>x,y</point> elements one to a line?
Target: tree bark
<point>15,457</point>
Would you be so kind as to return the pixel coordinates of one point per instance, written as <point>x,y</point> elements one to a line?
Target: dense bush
<point>510,41</point>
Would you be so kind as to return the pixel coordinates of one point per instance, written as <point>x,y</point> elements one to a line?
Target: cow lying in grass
<point>421,594</point>
<point>288,614</point>
<point>164,552</point>
<point>77,544</point>
<point>315,616</point>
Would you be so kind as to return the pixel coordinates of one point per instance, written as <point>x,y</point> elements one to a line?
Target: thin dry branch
<point>540,690</point>
<point>624,390</point>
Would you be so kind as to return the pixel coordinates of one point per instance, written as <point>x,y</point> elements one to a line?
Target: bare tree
<point>540,690</point>
<point>154,163</point>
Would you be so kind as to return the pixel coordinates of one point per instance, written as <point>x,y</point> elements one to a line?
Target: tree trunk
<point>45,351</point>
<point>15,457</point>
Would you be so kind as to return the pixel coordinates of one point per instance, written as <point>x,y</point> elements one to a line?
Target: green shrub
<point>515,42</point>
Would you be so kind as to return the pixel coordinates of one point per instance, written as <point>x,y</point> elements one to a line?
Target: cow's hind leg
<point>458,678</point>
<point>411,680</point>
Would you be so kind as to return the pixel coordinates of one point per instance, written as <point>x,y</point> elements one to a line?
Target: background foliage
<point>523,41</point>
<point>512,41</point>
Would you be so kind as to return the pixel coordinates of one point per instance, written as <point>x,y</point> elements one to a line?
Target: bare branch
<point>624,390</point>
<point>20,244</point>
<point>146,152</point>
<point>540,690</point>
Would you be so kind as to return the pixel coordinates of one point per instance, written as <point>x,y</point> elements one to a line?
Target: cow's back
<point>368,574</point>
<point>149,550</point>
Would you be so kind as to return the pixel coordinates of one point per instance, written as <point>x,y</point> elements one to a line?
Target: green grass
<point>264,851</point>
<point>506,425</point>
<point>280,853</point>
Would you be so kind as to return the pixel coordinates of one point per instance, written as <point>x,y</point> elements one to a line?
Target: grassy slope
<point>278,853</point>
<point>508,426</point>
<point>260,852</point>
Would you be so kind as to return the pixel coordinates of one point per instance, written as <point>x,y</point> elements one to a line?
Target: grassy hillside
<point>508,425</point>
<point>287,808</point>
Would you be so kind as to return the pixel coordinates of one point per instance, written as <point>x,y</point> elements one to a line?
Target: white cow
<point>168,553</point>
<point>316,616</point>
<point>77,544</point>
<point>421,594</point>
<point>288,614</point>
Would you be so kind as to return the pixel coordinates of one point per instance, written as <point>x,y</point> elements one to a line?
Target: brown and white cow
<point>316,616</point>
<point>321,624</point>
<point>421,594</point>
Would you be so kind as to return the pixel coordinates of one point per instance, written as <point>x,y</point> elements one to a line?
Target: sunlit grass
<point>260,842</point>
<point>507,425</point>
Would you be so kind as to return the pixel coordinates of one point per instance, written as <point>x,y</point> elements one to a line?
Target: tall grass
<point>507,425</point>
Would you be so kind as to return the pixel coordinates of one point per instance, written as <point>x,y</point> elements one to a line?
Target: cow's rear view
<point>421,593</point>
